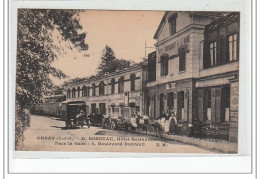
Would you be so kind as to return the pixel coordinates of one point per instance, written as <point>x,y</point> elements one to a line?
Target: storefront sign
<point>177,44</point>
<point>173,46</point>
<point>233,132</point>
<point>234,96</point>
<point>233,125</point>
<point>234,114</point>
<point>170,86</point>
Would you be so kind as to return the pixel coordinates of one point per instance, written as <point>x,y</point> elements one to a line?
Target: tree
<point>121,64</point>
<point>108,57</point>
<point>109,63</point>
<point>36,51</point>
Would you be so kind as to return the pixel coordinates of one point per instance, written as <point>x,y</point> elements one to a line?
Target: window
<point>152,66</point>
<point>87,92</point>
<point>221,43</point>
<point>102,108</point>
<point>226,93</point>
<point>164,65</point>
<point>172,24</point>
<point>232,47</point>
<point>161,104</point>
<point>132,78</point>
<point>93,108</point>
<point>222,50</point>
<point>73,93</point>
<point>68,93</point>
<point>213,53</point>
<point>101,88</point>
<point>121,85</point>
<point>78,91</point>
<point>113,86</point>
<point>182,59</point>
<point>181,97</point>
<point>84,91</point>
<point>93,89</point>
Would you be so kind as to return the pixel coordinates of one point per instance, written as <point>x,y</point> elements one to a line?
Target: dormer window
<point>172,23</point>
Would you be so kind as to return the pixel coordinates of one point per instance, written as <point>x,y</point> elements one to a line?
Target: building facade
<point>177,64</point>
<point>193,73</point>
<point>196,65</point>
<point>219,74</point>
<point>112,93</point>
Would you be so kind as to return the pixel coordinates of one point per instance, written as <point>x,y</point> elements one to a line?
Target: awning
<point>214,82</point>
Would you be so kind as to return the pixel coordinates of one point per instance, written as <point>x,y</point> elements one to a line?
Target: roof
<point>221,22</point>
<point>160,25</point>
<point>98,77</point>
<point>214,15</point>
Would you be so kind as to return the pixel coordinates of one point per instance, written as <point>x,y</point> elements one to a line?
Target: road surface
<point>49,134</point>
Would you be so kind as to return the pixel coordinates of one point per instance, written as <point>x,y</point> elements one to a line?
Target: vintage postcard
<point>127,81</point>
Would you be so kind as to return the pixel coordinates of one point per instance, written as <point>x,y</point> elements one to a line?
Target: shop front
<point>124,107</point>
<point>172,97</point>
<point>217,105</point>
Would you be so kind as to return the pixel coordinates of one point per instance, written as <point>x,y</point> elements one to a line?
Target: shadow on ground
<point>64,128</point>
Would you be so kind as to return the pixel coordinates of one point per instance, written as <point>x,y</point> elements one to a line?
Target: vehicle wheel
<point>67,125</point>
<point>113,125</point>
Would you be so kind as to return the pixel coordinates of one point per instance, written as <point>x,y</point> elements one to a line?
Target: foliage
<point>19,125</point>
<point>36,50</point>
<point>109,63</point>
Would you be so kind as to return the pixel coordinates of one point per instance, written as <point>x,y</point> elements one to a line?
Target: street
<point>49,134</point>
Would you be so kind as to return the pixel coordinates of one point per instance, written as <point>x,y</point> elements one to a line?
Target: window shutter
<point>222,51</point>
<point>182,59</point>
<point>227,50</point>
<point>166,66</point>
<point>206,55</point>
<point>200,105</point>
<point>162,63</point>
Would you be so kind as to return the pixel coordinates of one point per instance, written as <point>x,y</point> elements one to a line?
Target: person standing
<point>172,123</point>
<point>167,125</point>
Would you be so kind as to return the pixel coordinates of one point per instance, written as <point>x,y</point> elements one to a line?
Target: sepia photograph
<point>127,81</point>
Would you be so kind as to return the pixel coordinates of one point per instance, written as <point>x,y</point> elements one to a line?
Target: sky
<point>124,31</point>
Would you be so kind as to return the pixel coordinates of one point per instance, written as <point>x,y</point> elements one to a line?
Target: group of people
<point>168,122</point>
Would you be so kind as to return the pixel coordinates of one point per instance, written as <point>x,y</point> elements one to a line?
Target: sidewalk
<point>221,146</point>
<point>218,146</point>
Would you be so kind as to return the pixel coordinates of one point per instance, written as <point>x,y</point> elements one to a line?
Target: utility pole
<point>145,47</point>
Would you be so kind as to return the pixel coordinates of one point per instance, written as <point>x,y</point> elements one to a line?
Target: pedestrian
<point>172,123</point>
<point>167,125</point>
<point>162,120</point>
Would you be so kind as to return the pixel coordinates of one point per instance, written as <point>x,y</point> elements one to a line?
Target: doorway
<point>180,111</point>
